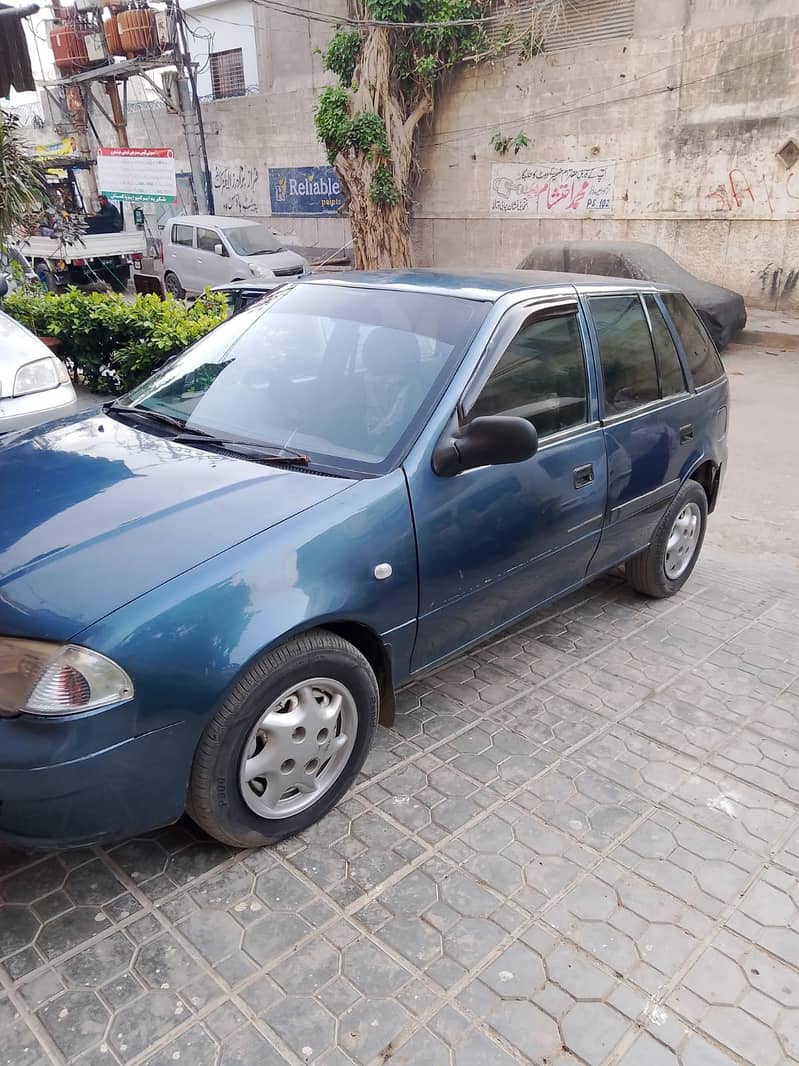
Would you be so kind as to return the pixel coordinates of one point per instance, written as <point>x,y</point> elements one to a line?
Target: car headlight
<point>41,374</point>
<point>261,272</point>
<point>42,678</point>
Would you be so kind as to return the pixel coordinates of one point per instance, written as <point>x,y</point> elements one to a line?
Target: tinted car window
<point>206,239</point>
<point>629,373</point>
<point>672,379</point>
<point>340,373</point>
<point>703,359</point>
<point>540,376</point>
<point>182,235</point>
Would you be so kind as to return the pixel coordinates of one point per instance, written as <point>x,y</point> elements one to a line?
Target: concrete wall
<point>677,127</point>
<point>692,110</point>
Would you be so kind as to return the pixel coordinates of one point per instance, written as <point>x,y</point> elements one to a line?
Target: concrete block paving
<point>578,845</point>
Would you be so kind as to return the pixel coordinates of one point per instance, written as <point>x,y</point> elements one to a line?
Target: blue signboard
<point>305,191</point>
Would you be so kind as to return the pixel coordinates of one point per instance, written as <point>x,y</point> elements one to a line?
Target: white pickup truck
<point>96,257</point>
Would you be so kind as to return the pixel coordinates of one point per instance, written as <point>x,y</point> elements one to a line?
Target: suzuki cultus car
<point>211,587</point>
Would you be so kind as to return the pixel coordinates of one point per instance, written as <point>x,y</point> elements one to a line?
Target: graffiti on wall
<point>532,190</point>
<point>238,189</point>
<point>752,194</point>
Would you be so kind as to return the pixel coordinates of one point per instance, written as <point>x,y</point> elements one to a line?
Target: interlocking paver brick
<point>744,999</point>
<point>636,929</point>
<point>579,843</point>
<point>550,1003</point>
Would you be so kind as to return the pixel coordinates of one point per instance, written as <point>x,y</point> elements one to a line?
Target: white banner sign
<point>138,174</point>
<point>535,190</point>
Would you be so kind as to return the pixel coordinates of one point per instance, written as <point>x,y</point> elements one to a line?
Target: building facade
<point>675,123</point>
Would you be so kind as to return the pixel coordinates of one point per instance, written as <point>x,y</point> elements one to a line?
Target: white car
<point>202,250</point>
<point>34,384</point>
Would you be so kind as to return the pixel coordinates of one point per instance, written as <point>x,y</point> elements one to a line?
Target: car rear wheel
<point>663,568</point>
<point>287,742</point>
<point>173,286</point>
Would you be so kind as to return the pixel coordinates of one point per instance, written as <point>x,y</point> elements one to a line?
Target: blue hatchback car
<point>210,588</point>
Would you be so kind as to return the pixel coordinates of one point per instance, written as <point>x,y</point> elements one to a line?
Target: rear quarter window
<point>183,235</point>
<point>700,352</point>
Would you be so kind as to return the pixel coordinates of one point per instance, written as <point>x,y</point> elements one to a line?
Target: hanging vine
<point>389,61</point>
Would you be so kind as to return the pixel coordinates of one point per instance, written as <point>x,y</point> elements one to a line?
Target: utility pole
<point>119,118</point>
<point>192,118</point>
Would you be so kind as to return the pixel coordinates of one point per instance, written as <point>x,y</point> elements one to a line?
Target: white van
<point>202,250</point>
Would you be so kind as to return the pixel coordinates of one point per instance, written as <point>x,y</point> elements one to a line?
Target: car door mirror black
<point>493,440</point>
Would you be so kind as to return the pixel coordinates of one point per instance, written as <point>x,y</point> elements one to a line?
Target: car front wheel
<point>173,286</point>
<point>663,568</point>
<point>287,742</point>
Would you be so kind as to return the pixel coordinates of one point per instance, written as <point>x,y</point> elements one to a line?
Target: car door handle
<point>686,433</point>
<point>583,475</point>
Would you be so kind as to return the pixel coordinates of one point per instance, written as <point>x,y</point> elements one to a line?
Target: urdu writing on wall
<point>532,190</point>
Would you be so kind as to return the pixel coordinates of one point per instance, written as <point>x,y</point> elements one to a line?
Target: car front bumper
<point>129,787</point>
<point>24,412</point>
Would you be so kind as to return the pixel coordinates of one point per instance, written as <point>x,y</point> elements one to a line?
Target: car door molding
<point>653,498</point>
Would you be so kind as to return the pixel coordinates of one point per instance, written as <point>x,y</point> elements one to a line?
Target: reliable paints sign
<point>305,191</point>
<point>142,175</point>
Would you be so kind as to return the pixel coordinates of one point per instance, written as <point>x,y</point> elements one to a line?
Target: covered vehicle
<point>208,600</point>
<point>722,310</point>
<point>34,384</point>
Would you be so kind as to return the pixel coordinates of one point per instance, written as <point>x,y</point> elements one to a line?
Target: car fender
<point>185,643</point>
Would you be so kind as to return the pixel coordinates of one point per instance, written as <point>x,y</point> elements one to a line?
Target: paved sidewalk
<point>579,844</point>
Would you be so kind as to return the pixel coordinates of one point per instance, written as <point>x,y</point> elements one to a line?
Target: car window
<point>629,374</point>
<point>183,235</point>
<point>540,376</point>
<point>672,379</point>
<point>341,373</point>
<point>206,239</point>
<point>703,359</point>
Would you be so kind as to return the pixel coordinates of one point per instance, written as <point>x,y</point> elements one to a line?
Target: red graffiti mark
<point>747,188</point>
<point>720,193</point>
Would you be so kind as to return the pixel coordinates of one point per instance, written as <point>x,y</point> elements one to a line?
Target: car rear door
<point>497,541</point>
<point>648,413</point>
<point>180,254</point>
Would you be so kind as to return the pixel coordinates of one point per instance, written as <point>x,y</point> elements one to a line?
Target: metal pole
<point>191,113</point>
<point>120,120</point>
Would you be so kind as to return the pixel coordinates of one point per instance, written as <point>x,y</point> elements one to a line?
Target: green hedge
<point>111,343</point>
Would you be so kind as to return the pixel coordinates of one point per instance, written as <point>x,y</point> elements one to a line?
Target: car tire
<point>283,712</point>
<point>173,286</point>
<point>663,568</point>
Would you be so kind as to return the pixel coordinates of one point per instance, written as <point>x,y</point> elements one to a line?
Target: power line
<point>545,116</point>
<point>346,20</point>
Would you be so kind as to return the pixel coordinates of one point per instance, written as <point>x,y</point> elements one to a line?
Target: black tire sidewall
<point>177,291</point>
<point>690,492</point>
<point>231,815</point>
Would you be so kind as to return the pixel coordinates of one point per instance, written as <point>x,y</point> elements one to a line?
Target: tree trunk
<point>381,234</point>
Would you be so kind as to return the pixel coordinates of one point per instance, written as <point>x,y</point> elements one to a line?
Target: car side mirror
<point>493,440</point>
<point>219,249</point>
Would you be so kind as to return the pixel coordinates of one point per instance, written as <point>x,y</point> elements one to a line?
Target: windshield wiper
<point>143,414</point>
<point>262,453</point>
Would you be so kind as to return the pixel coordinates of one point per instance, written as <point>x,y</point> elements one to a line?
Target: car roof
<point>479,285</point>
<point>228,221</point>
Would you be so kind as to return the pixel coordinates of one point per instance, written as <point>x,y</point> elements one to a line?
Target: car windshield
<point>340,373</point>
<point>251,240</point>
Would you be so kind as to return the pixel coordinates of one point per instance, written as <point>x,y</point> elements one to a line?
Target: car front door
<point>647,414</point>
<point>495,542</point>
<point>212,269</point>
